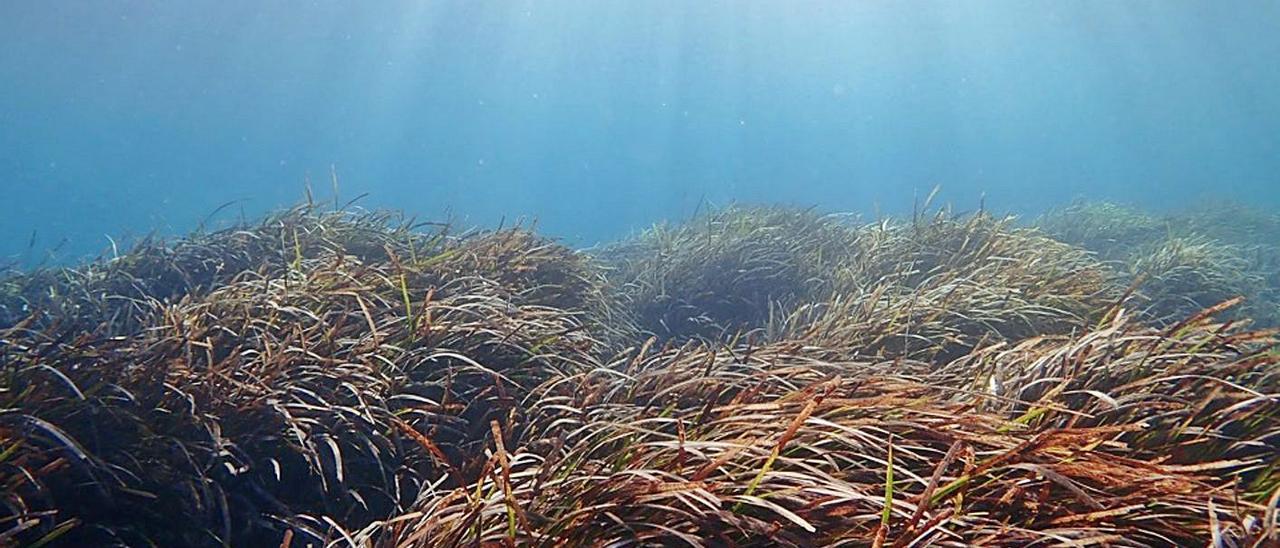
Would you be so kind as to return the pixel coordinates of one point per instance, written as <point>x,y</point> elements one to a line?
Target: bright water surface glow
<point>599,118</point>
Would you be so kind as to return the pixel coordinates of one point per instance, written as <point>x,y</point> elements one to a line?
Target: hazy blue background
<point>600,117</point>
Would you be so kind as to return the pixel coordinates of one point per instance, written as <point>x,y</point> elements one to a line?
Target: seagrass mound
<point>932,286</point>
<point>1108,229</point>
<point>937,287</point>
<point>116,294</point>
<point>758,376</point>
<point>1182,261</point>
<point>727,270</point>
<point>317,390</point>
<point>1124,436</point>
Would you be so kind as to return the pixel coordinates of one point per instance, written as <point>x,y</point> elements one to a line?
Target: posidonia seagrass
<point>757,375</point>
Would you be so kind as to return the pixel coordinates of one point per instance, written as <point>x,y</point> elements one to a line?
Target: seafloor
<point>753,376</point>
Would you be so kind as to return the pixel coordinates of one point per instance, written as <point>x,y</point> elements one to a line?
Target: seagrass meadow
<point>754,376</point>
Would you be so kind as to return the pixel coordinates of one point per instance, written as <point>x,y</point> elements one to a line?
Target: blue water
<point>120,118</point>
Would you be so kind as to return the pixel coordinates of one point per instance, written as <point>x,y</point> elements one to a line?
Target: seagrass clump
<point>935,285</point>
<point>1114,444</point>
<point>1181,275</point>
<point>536,270</point>
<point>1108,229</point>
<point>1182,261</point>
<point>727,270</point>
<point>1230,222</point>
<point>301,399</point>
<point>116,294</point>
<point>1255,234</point>
<point>1203,393</point>
<point>938,286</point>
